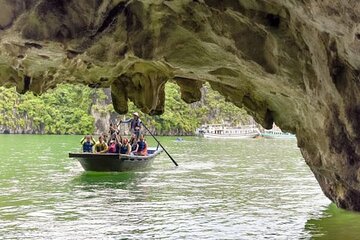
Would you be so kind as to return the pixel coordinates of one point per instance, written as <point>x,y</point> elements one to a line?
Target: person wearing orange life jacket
<point>141,147</point>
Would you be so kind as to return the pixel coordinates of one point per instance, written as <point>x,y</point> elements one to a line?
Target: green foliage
<point>67,110</point>
<point>180,118</point>
<point>64,110</point>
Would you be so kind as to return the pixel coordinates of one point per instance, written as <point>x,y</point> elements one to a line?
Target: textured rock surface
<point>292,62</point>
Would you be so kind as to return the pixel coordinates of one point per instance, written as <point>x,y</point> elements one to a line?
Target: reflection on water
<point>250,189</point>
<point>335,224</point>
<point>111,179</point>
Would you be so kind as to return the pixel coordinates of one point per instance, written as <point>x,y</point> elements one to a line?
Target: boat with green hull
<point>277,134</point>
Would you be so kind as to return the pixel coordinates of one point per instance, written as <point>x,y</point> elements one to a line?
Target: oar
<point>160,145</point>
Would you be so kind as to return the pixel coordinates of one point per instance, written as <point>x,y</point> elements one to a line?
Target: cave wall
<point>295,63</point>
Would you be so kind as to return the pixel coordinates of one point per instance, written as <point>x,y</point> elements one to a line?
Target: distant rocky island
<point>78,109</point>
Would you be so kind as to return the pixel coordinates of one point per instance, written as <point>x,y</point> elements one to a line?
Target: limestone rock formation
<point>292,62</point>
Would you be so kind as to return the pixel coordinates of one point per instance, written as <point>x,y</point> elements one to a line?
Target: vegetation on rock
<point>67,110</point>
<point>64,110</point>
<point>293,63</point>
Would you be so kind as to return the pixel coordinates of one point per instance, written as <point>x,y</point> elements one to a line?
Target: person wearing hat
<point>135,124</point>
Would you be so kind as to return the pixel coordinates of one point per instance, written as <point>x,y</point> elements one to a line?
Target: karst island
<point>179,119</point>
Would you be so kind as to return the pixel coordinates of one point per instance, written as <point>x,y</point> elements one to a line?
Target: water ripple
<point>222,190</point>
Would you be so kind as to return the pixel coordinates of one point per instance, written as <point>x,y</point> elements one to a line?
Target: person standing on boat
<point>104,137</point>
<point>141,147</point>
<point>112,129</point>
<point>112,138</point>
<point>135,124</point>
<point>101,146</point>
<point>87,143</point>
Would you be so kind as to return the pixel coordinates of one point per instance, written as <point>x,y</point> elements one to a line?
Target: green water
<point>249,189</point>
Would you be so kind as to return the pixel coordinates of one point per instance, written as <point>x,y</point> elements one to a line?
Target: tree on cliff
<point>67,110</point>
<point>64,110</point>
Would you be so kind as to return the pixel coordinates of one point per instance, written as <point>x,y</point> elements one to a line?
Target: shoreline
<point>48,134</point>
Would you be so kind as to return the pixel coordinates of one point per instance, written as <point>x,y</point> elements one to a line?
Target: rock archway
<point>295,63</point>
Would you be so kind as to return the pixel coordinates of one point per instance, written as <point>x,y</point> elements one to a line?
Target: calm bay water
<point>251,189</point>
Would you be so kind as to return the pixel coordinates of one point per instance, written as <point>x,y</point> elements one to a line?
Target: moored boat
<point>277,134</point>
<point>221,131</point>
<point>114,162</point>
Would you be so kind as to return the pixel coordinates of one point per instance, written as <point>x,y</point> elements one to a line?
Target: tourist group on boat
<point>116,143</point>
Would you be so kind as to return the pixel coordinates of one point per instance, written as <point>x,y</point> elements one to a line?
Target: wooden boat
<point>114,162</point>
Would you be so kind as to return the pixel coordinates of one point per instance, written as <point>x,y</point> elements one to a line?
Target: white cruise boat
<point>221,131</point>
